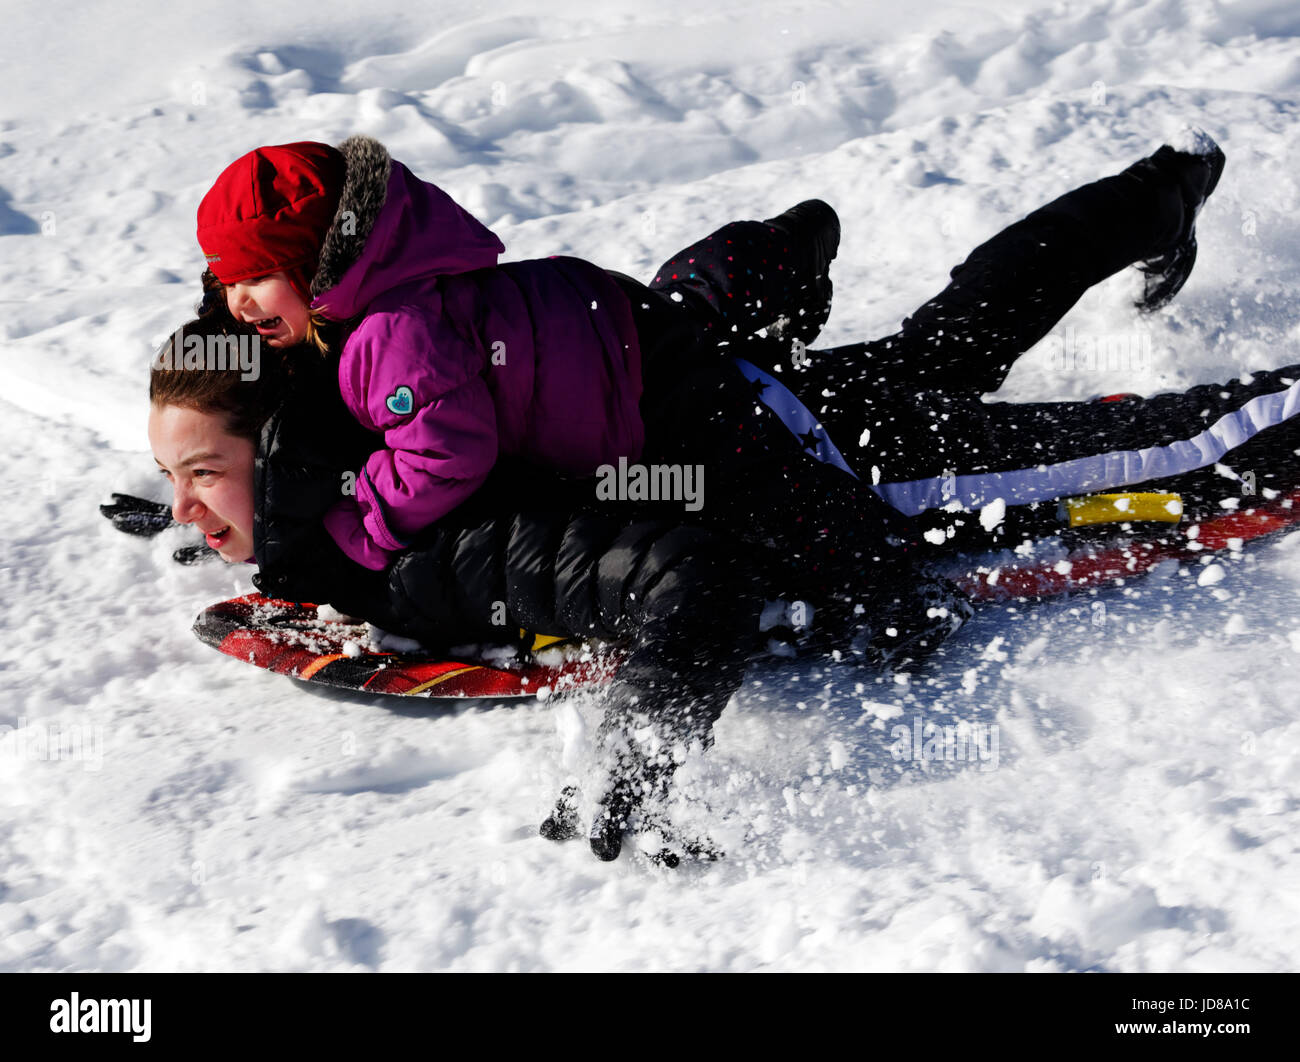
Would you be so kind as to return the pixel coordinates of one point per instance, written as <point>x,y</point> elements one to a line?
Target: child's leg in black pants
<point>1011,290</point>
<point>721,290</point>
<point>906,411</point>
<point>740,279</point>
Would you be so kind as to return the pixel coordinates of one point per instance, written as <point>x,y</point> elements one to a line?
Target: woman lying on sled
<point>816,500</point>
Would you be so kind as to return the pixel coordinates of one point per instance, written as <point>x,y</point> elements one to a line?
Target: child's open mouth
<point>216,538</point>
<point>268,325</point>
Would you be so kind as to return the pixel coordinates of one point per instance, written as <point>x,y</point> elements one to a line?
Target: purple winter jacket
<point>458,359</point>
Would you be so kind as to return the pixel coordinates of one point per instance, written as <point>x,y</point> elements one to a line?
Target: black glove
<point>194,554</point>
<point>138,516</point>
<point>908,627</point>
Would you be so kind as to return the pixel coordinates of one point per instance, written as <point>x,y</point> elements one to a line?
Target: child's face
<point>211,473</point>
<point>272,305</point>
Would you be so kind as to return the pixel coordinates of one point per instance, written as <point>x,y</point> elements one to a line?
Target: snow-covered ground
<point>1138,804</point>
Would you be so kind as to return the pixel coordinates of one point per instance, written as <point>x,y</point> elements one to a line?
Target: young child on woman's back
<point>454,359</point>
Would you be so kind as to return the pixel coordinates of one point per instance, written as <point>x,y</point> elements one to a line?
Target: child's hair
<point>322,334</point>
<point>244,399</point>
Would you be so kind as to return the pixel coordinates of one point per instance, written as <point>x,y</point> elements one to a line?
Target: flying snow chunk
<point>994,650</point>
<point>387,642</point>
<point>886,711</point>
<point>935,536</point>
<point>1211,574</point>
<point>993,514</point>
<point>332,615</point>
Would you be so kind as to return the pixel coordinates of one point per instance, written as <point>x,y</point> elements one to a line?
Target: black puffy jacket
<point>537,551</point>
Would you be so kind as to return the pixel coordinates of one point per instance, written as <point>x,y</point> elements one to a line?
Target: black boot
<point>562,823</point>
<point>613,820</point>
<point>816,225</point>
<point>1197,172</point>
<point>635,781</point>
<point>817,222</point>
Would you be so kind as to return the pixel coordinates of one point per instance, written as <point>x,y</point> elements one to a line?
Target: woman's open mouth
<point>216,539</point>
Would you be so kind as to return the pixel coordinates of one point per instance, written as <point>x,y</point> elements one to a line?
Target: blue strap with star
<point>794,415</point>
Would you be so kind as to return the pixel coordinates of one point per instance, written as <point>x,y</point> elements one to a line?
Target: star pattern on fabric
<point>810,439</point>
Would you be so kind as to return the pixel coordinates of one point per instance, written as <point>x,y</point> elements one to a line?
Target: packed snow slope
<point>1137,806</point>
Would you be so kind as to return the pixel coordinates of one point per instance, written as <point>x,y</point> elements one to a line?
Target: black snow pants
<point>906,410</point>
<point>708,304</point>
<point>713,298</point>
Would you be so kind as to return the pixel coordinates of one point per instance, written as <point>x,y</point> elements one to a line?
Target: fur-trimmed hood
<point>365,187</point>
<point>456,359</point>
<point>390,228</point>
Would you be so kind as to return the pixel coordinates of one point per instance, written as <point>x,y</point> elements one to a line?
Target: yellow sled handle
<point>1122,508</point>
<point>542,641</point>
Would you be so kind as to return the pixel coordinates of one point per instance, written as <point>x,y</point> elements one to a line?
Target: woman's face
<point>211,473</point>
<point>271,304</point>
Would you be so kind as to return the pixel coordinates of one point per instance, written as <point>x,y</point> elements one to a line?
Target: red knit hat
<point>270,210</point>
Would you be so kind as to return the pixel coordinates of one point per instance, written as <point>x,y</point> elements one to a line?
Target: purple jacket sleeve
<point>408,376</point>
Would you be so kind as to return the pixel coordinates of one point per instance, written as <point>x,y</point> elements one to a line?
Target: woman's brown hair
<point>220,386</point>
